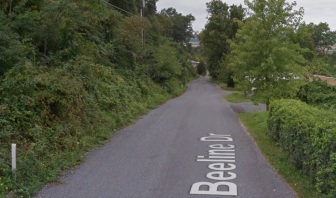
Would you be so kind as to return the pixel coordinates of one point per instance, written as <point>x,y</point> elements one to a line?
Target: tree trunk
<point>10,2</point>
<point>267,104</point>
<point>45,48</point>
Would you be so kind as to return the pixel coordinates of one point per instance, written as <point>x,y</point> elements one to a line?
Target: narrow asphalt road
<point>192,146</point>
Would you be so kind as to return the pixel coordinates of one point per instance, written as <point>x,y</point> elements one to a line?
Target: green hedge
<point>308,135</point>
<point>318,93</point>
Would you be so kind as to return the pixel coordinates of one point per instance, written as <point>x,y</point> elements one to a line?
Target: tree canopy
<point>265,60</point>
<point>323,37</point>
<point>222,26</point>
<point>71,72</point>
<point>181,26</point>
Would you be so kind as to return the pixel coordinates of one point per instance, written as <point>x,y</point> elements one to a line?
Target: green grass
<point>237,97</point>
<point>256,124</point>
<point>225,87</point>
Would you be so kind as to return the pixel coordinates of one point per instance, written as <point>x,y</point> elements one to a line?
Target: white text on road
<point>222,158</point>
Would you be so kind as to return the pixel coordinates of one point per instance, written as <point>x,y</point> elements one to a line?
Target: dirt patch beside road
<point>247,107</point>
<point>329,80</point>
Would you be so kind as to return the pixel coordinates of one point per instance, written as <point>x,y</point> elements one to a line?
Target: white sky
<point>316,11</point>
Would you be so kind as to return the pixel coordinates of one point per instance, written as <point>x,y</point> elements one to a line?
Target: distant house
<point>332,50</point>
<point>329,80</point>
<point>194,42</point>
<point>194,63</point>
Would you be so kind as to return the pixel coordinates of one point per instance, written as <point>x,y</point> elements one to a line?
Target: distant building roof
<point>332,49</point>
<point>194,63</point>
<point>194,42</point>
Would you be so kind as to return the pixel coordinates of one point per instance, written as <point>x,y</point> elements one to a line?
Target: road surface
<point>192,146</point>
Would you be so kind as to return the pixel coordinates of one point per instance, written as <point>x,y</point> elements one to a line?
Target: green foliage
<point>308,135</point>
<point>324,64</point>
<point>72,72</point>
<point>180,27</point>
<point>237,97</point>
<point>304,37</point>
<point>201,69</point>
<point>256,124</point>
<point>318,93</point>
<point>12,50</point>
<point>266,62</point>
<point>323,37</point>
<point>222,25</point>
<point>52,114</point>
<point>166,64</point>
<point>150,7</point>
<point>132,6</point>
<point>317,40</point>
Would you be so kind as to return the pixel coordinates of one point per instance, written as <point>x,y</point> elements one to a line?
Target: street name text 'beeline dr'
<point>222,159</point>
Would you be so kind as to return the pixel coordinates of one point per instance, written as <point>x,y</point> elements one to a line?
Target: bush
<point>55,114</point>
<point>201,69</point>
<point>318,93</point>
<point>166,64</point>
<point>71,73</point>
<point>308,135</point>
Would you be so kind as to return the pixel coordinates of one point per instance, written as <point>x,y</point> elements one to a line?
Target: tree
<point>65,65</point>
<point>265,60</point>
<point>304,37</point>
<point>132,6</point>
<point>12,50</point>
<point>150,8</point>
<point>201,69</point>
<point>221,27</point>
<point>167,62</point>
<point>323,37</point>
<point>181,25</point>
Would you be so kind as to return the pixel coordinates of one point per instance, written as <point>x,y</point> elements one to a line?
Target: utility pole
<point>10,9</point>
<point>142,12</point>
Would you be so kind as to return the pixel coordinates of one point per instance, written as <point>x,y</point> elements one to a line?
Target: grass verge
<point>224,86</point>
<point>236,97</point>
<point>256,124</point>
<point>34,172</point>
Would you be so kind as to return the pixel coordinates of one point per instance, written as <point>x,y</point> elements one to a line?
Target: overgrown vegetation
<point>72,72</point>
<point>222,26</point>
<point>201,68</point>
<point>237,97</point>
<point>256,124</point>
<point>268,52</point>
<point>267,64</point>
<point>318,93</point>
<point>308,136</point>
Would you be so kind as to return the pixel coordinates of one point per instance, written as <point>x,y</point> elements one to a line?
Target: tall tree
<point>304,37</point>
<point>323,37</point>
<point>12,50</point>
<point>150,7</point>
<point>221,27</point>
<point>132,6</point>
<point>267,63</point>
<point>181,28</point>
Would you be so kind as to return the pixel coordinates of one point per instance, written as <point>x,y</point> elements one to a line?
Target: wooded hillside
<point>72,72</point>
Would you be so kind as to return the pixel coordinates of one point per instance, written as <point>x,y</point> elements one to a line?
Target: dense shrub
<point>318,93</point>
<point>53,114</point>
<point>71,73</point>
<point>166,65</point>
<point>201,69</point>
<point>308,135</point>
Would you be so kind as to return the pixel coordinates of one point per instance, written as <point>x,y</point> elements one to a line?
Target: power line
<point>116,7</point>
<point>141,14</point>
